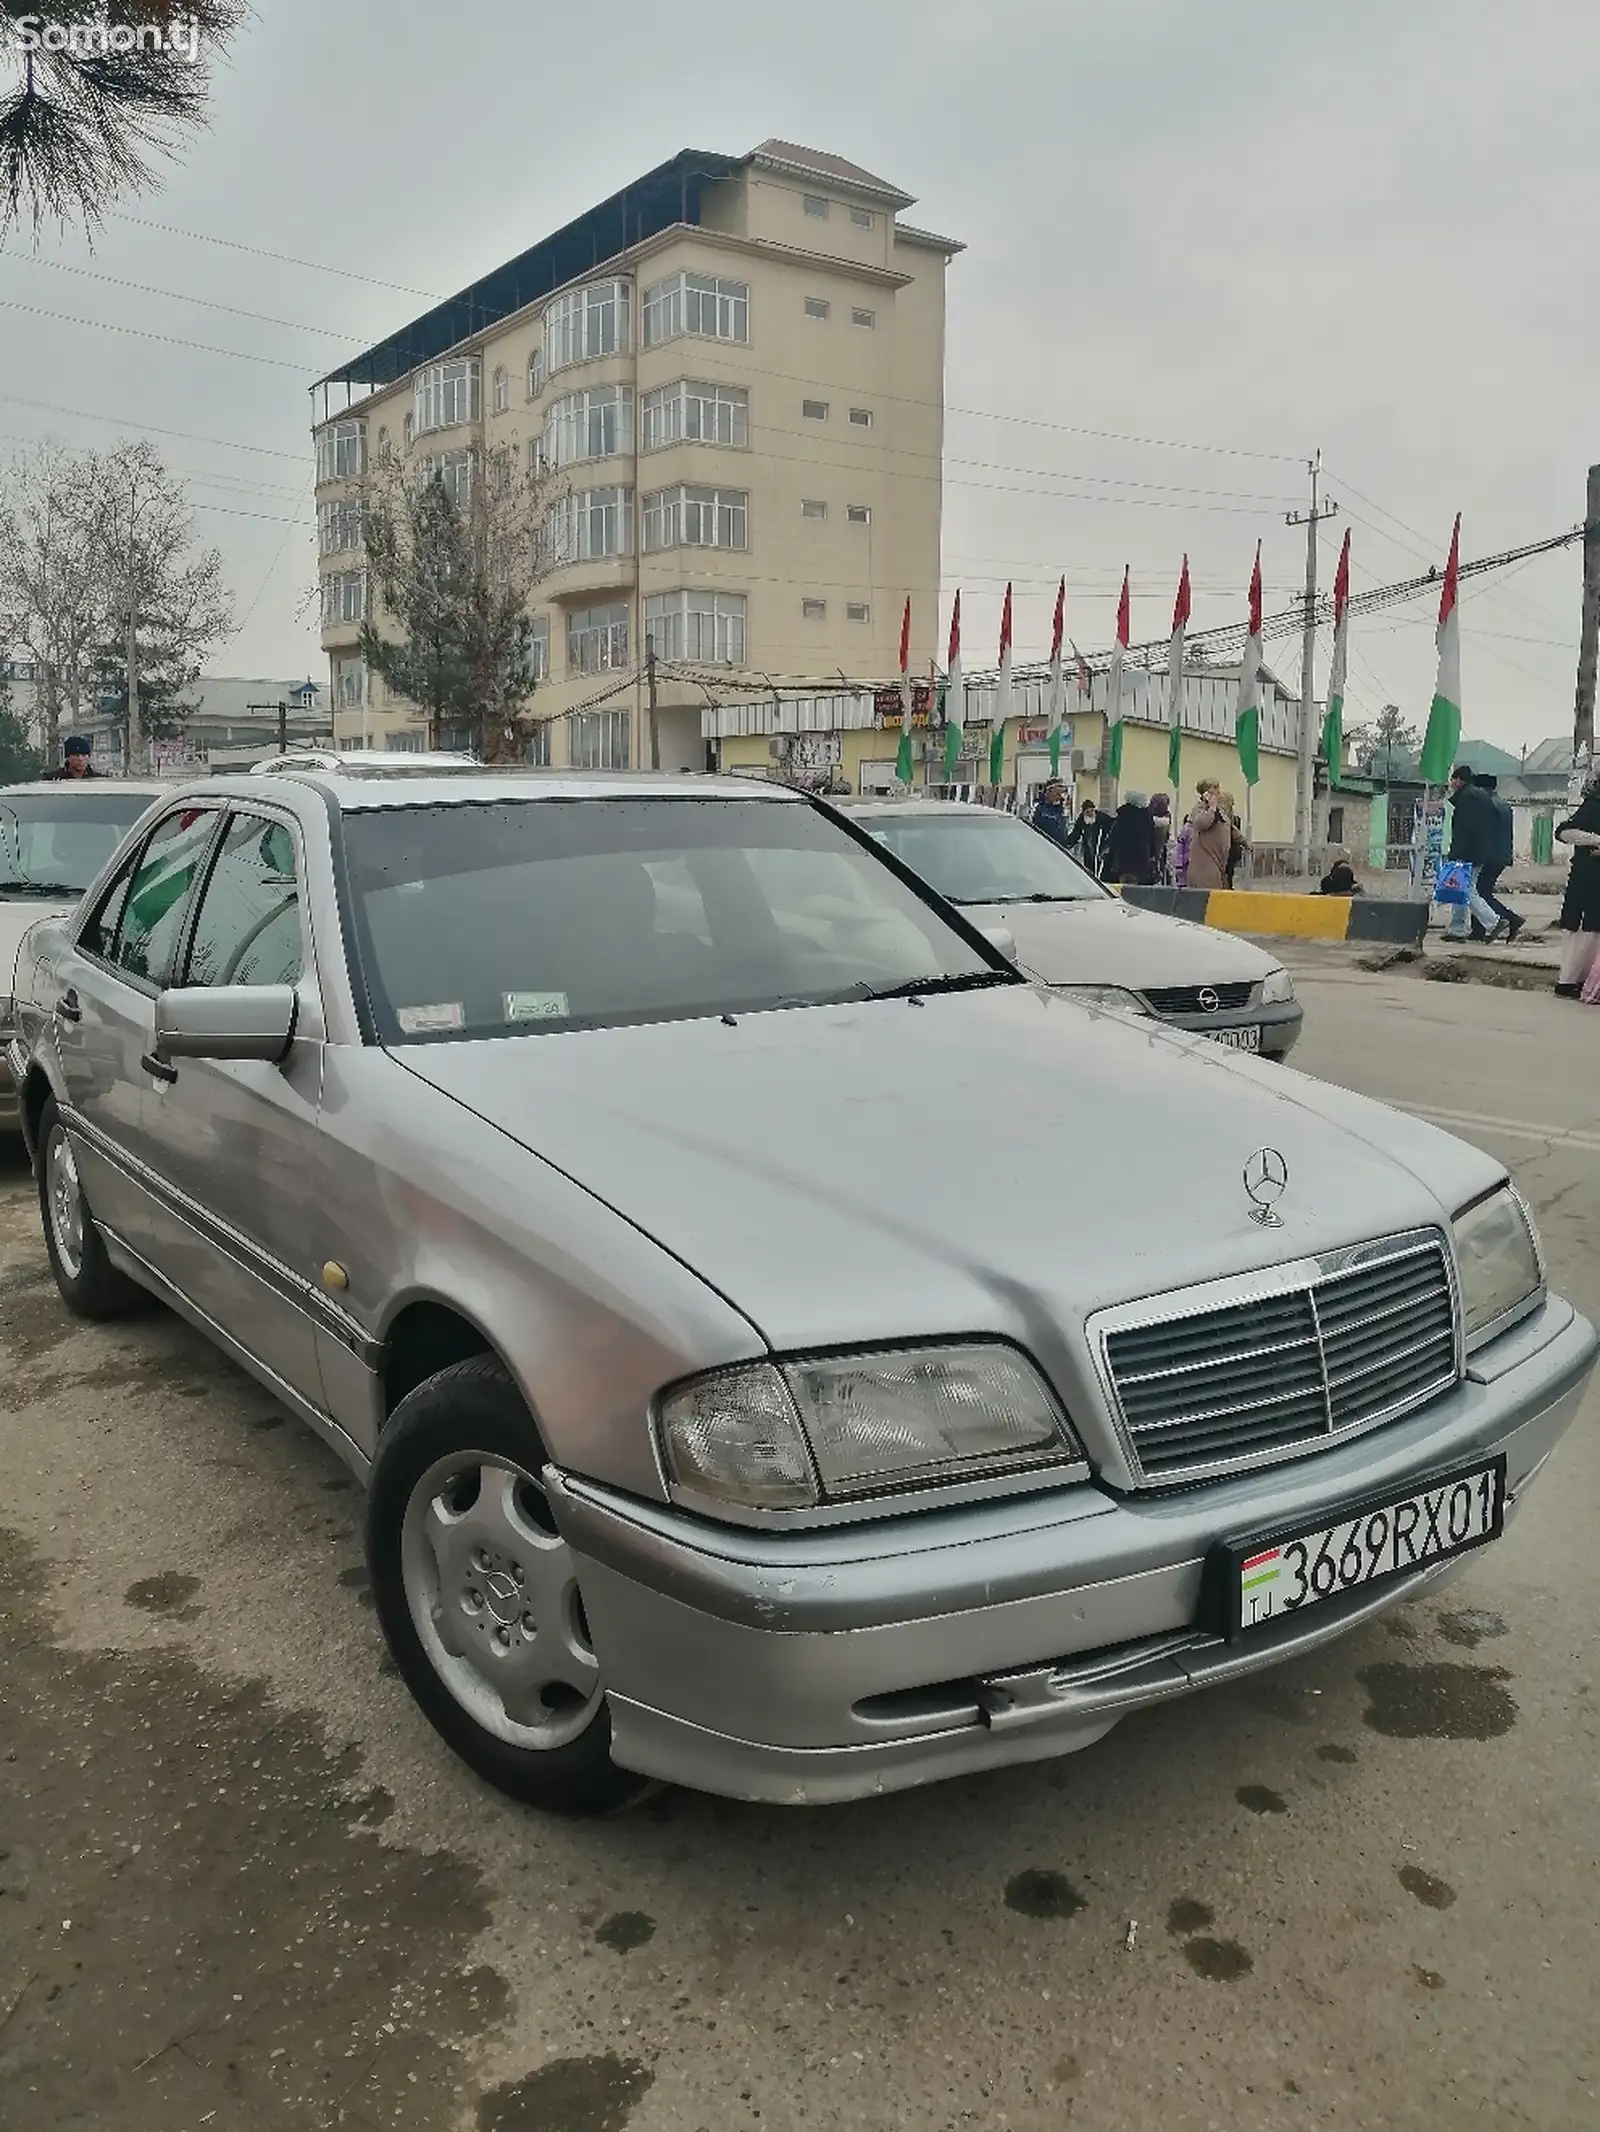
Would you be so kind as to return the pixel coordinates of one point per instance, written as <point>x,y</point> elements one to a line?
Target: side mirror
<point>226,1022</point>
<point>1000,936</point>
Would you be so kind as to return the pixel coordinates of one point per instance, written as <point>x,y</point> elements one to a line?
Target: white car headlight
<point>1105,996</point>
<point>1497,1255</point>
<point>1276,987</point>
<point>788,1436</point>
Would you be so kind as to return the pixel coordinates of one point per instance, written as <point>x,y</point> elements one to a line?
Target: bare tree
<point>1386,741</point>
<point>452,568</point>
<point>52,595</point>
<point>92,91</point>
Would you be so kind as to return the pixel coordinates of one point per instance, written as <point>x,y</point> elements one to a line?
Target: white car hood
<point>1003,1160</point>
<point>1109,942</point>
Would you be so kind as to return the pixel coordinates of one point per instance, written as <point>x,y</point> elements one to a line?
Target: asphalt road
<point>241,1886</point>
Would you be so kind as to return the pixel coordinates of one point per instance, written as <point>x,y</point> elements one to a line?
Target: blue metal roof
<point>666,195</point>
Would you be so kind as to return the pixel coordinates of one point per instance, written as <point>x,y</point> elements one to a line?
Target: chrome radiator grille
<point>1284,1373</point>
<point>1198,999</point>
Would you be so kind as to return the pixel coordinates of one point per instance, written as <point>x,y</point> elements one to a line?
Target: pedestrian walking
<point>1473,839</point>
<point>1238,843</point>
<point>75,760</point>
<point>1088,839</point>
<point>1504,849</point>
<point>1133,843</point>
<point>1161,818</point>
<point>1579,976</point>
<point>1210,839</point>
<point>1049,817</point>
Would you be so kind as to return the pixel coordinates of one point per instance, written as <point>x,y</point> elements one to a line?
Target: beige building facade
<point>733,373</point>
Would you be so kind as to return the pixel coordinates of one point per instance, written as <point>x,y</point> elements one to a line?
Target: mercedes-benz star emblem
<point>1266,1179</point>
<point>1209,999</point>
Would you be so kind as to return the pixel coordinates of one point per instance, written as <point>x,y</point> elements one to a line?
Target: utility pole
<point>650,685</point>
<point>1589,641</point>
<point>282,709</point>
<point>135,762</point>
<point>1305,784</point>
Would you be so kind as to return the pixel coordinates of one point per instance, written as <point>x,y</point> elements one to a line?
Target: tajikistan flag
<point>1180,623</point>
<point>955,697</point>
<point>1443,736</point>
<point>1002,700</point>
<point>1333,718</point>
<point>1119,653</point>
<point>1058,686</point>
<point>903,762</point>
<point>1247,719</point>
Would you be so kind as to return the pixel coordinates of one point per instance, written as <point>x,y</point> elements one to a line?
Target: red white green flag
<point>955,696</point>
<point>1002,701</point>
<point>1180,624</point>
<point>1058,687</point>
<point>1443,736</point>
<point>1333,717</point>
<point>1247,719</point>
<point>903,766</point>
<point>1119,653</point>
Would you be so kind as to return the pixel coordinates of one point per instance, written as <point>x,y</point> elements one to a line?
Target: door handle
<point>67,1007</point>
<point>158,1069</point>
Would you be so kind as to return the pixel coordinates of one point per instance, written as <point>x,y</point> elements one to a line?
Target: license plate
<point>1271,1577</point>
<point>1236,1039</point>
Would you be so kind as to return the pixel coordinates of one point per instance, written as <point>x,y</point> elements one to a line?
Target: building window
<point>600,740</point>
<point>408,741</point>
<point>857,611</point>
<point>586,324</point>
<point>817,307</point>
<point>859,514</point>
<point>814,410</point>
<point>707,628</point>
<point>341,451</point>
<point>685,517</point>
<point>339,527</point>
<point>539,649</point>
<point>445,394</point>
<point>861,417</point>
<point>411,431</point>
<point>589,425</point>
<point>862,217</point>
<point>812,507</point>
<point>539,745</point>
<point>385,448</point>
<point>453,472</point>
<point>597,638</point>
<point>816,206</point>
<point>814,610</point>
<point>536,372</point>
<point>536,465</point>
<point>344,598</point>
<point>696,303</point>
<point>502,391</point>
<point>591,524</point>
<point>349,683</point>
<point>691,413</point>
<point>858,317</point>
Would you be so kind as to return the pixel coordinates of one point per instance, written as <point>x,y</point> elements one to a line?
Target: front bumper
<point>1279,1024</point>
<point>837,1663</point>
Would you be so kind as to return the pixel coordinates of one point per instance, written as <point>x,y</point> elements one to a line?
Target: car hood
<point>18,915</point>
<point>1109,942</point>
<point>1004,1160</point>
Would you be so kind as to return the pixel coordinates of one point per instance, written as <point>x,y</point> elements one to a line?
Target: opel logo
<point>1266,1179</point>
<point>1209,999</point>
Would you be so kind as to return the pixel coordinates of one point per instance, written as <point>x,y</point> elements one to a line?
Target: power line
<point>154,429</point>
<point>171,340</point>
<point>144,288</point>
<point>257,251</point>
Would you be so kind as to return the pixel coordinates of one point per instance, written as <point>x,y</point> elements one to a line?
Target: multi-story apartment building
<point>735,371</point>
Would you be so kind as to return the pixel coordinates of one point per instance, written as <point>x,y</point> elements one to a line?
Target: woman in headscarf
<point>1132,852</point>
<point>1580,910</point>
<point>1210,837</point>
<point>1161,822</point>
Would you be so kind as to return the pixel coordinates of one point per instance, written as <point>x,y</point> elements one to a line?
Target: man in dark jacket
<point>1473,835</point>
<point>75,762</point>
<point>1133,843</point>
<point>1090,835</point>
<point>1504,852</point>
<point>1050,815</point>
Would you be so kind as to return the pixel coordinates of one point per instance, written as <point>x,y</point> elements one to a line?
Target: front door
<point>232,1141</point>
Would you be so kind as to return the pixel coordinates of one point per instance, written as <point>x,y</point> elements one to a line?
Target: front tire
<point>91,1287</point>
<point>478,1598</point>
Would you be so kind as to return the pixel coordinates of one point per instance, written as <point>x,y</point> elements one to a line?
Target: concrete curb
<point>1400,923</point>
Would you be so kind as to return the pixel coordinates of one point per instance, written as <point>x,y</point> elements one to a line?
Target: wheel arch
<point>426,1335</point>
<point>36,1093</point>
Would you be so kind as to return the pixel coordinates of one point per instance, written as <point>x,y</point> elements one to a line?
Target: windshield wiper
<point>40,888</point>
<point>1038,895</point>
<point>916,987</point>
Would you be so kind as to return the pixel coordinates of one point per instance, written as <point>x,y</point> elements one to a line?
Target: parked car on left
<point>54,839</point>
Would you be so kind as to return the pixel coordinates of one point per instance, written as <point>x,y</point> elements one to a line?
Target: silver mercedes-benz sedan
<point>651,1189</point>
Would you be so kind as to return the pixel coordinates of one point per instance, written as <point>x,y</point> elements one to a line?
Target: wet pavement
<point>243,1886</point>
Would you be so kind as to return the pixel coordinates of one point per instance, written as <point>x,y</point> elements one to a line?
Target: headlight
<point>1105,996</point>
<point>1497,1255</point>
<point>1277,987</point>
<point>790,1436</point>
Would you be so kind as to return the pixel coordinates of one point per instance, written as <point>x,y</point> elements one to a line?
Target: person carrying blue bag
<point>1474,840</point>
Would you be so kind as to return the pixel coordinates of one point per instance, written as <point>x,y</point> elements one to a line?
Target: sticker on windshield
<point>536,1006</point>
<point>424,1021</point>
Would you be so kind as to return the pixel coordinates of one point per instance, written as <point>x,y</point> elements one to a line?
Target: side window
<point>100,930</point>
<point>247,931</point>
<point>158,900</point>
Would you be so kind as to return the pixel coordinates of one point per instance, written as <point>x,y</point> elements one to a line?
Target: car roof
<point>919,807</point>
<point>354,793</point>
<point>140,787</point>
<point>367,762</point>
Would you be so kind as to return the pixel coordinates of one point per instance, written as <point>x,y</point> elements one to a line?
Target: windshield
<point>511,917</point>
<point>54,843</point>
<point>984,857</point>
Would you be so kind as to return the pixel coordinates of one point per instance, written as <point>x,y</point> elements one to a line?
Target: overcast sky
<point>1244,228</point>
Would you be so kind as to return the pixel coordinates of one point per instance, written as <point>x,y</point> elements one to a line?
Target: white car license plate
<point>1269,1578</point>
<point>1237,1039</point>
